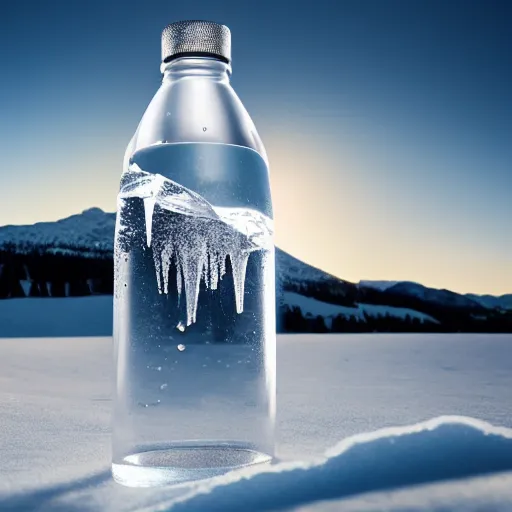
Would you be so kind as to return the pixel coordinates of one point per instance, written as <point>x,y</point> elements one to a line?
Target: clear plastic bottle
<point>194,292</point>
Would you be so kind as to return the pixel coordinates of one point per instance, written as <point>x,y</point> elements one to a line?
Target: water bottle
<point>194,292</point>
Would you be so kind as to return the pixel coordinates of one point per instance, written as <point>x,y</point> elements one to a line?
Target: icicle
<point>157,258</point>
<point>192,271</point>
<point>149,207</point>
<point>206,269</point>
<point>178,281</point>
<point>166,259</point>
<point>214,270</point>
<point>222,264</point>
<point>239,265</point>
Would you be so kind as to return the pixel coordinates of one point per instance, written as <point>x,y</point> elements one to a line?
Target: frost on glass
<point>198,239</point>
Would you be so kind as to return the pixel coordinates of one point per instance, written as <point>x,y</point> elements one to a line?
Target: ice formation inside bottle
<point>198,238</point>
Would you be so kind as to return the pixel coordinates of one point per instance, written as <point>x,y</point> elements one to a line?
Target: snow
<point>313,307</point>
<point>376,311</point>
<point>56,316</point>
<point>55,437</point>
<point>386,459</point>
<point>25,285</point>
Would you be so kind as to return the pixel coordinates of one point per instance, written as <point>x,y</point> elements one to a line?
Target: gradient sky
<point>388,123</point>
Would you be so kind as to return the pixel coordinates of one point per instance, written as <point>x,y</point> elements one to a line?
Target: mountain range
<point>503,302</point>
<point>73,257</point>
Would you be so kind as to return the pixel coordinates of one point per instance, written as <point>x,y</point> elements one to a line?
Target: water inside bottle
<point>194,272</point>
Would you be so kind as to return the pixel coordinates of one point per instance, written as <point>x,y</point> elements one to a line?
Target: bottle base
<point>179,464</point>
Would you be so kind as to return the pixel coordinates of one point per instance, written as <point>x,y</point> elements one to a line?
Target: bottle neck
<point>196,67</point>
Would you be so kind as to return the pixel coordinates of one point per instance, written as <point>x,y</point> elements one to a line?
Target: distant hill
<point>503,302</point>
<point>73,257</point>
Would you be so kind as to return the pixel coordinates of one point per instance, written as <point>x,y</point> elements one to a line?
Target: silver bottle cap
<point>199,38</point>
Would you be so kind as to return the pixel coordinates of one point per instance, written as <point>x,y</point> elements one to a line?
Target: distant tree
<point>318,325</point>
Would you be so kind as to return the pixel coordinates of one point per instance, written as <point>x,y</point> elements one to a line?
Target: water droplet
<point>158,401</point>
<point>204,366</point>
<point>163,386</point>
<point>181,327</point>
<point>125,284</point>
<point>204,128</point>
<point>158,368</point>
<point>219,360</point>
<point>168,114</point>
<point>181,347</point>
<point>239,362</point>
<point>227,366</point>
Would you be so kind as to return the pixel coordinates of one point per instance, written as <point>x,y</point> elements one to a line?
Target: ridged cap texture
<point>193,37</point>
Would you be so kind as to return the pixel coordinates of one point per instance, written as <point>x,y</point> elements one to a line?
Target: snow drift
<point>444,448</point>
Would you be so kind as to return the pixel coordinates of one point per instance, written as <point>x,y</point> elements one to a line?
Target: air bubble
<point>204,128</point>
<point>163,386</point>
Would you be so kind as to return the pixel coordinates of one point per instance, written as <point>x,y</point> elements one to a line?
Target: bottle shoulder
<point>196,110</point>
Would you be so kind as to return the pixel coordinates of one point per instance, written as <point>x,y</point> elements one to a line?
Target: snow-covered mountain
<point>87,234</point>
<point>72,257</point>
<point>432,295</point>
<point>491,302</point>
<point>442,297</point>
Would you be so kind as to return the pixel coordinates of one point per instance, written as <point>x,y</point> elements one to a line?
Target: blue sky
<point>387,123</point>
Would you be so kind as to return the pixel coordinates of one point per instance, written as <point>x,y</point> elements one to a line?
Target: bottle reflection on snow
<point>194,295</point>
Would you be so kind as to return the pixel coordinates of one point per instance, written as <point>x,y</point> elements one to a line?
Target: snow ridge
<point>440,449</point>
<point>311,308</point>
